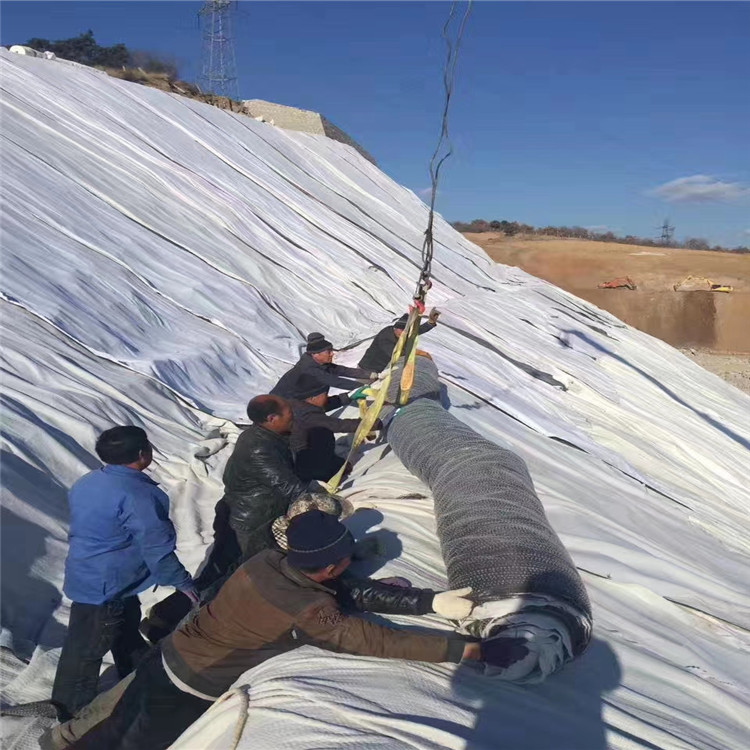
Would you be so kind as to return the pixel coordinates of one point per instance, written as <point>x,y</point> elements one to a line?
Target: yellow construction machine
<point>691,283</point>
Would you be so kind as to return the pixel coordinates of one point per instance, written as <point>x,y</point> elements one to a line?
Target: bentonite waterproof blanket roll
<point>494,533</point>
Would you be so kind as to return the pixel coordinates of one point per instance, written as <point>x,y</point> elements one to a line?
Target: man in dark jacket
<point>313,440</point>
<point>259,478</point>
<point>259,485</point>
<point>272,604</point>
<point>317,362</point>
<point>379,353</point>
<point>121,543</point>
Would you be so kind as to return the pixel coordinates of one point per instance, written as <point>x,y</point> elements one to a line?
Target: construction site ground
<point>712,327</point>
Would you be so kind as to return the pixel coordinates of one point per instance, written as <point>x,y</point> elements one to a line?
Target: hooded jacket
<point>313,439</point>
<point>267,608</point>
<point>332,375</point>
<point>308,418</point>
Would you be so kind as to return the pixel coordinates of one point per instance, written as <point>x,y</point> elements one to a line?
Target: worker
<point>121,543</point>
<point>62,735</point>
<point>378,355</point>
<point>313,440</point>
<point>259,479</point>
<point>272,604</point>
<point>259,485</point>
<point>317,361</point>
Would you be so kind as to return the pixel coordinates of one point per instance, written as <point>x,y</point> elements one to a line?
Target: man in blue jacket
<point>121,543</point>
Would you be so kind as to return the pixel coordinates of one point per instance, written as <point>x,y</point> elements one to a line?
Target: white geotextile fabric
<point>161,261</point>
<point>529,617</point>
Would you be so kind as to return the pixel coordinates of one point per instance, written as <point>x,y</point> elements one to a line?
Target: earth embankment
<point>692,316</point>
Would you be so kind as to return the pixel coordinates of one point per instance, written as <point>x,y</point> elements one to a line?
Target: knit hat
<point>316,343</point>
<point>401,322</point>
<point>316,539</point>
<point>308,386</point>
<point>307,501</point>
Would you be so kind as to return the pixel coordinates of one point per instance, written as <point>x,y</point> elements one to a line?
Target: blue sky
<point>601,114</point>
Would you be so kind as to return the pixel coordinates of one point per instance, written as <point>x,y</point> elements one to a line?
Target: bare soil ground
<point>164,82</point>
<point>582,264</point>
<point>711,327</point>
<point>693,317</point>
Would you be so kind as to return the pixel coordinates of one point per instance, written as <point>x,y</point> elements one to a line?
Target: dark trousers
<point>225,555</point>
<point>151,714</point>
<point>226,552</point>
<point>93,630</point>
<point>319,459</point>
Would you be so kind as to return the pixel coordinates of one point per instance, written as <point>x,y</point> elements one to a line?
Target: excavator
<point>622,282</point>
<point>701,282</point>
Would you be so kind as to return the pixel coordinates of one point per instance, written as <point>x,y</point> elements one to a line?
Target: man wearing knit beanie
<point>272,604</point>
<point>378,355</point>
<point>317,362</point>
<point>313,439</point>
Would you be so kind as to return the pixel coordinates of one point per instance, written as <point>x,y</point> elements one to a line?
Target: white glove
<point>453,605</point>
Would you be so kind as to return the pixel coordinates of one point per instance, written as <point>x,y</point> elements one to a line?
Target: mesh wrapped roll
<point>494,533</point>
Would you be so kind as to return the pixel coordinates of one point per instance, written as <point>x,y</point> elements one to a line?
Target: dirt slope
<point>581,264</point>
<point>694,317</point>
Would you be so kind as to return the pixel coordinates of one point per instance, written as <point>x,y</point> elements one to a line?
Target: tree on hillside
<point>479,225</point>
<point>697,243</point>
<point>84,49</point>
<point>511,228</point>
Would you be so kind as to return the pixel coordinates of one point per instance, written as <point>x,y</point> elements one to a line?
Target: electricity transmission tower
<point>218,67</point>
<point>667,233</point>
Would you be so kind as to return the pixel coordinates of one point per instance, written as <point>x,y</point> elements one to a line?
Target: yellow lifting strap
<point>408,341</point>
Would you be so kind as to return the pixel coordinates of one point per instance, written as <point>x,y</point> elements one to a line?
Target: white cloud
<point>699,188</point>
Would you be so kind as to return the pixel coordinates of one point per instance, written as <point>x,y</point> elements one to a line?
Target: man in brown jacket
<point>274,603</point>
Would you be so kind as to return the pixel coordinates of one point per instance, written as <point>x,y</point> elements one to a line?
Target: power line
<point>667,233</point>
<point>444,146</point>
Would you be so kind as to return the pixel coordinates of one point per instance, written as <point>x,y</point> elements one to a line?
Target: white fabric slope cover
<point>163,260</point>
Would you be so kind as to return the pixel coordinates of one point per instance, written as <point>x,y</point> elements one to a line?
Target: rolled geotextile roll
<point>494,534</point>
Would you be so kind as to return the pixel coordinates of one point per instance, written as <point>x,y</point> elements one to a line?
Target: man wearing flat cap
<point>317,362</point>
